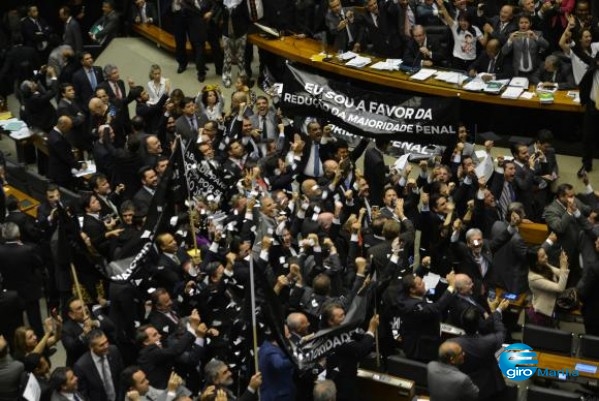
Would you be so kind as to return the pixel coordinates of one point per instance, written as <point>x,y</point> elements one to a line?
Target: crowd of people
<point>294,205</point>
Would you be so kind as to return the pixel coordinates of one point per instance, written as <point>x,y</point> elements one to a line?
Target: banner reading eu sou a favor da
<point>420,119</point>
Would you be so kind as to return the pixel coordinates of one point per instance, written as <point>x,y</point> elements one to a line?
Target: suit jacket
<point>277,373</point>
<point>502,34</point>
<point>381,38</point>
<point>142,201</point>
<point>21,269</point>
<point>165,325</point>
<point>110,27</point>
<point>30,232</point>
<point>480,363</point>
<point>425,15</point>
<point>185,129</point>
<point>562,77</point>
<point>501,69</point>
<point>510,258</point>
<point>123,102</point>
<point>75,342</point>
<point>518,50</point>
<point>35,34</point>
<point>441,377</point>
<point>72,35</point>
<point>158,362</point>
<point>79,136</point>
<point>83,88</point>
<point>96,230</point>
<point>150,10</point>
<point>375,174</point>
<point>39,110</point>
<point>412,55</point>
<point>57,396</point>
<point>90,380</point>
<point>10,378</point>
<point>60,158</point>
<point>340,39</point>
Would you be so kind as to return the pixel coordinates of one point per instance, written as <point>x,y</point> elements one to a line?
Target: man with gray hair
<point>22,270</point>
<point>218,375</point>
<point>325,390</point>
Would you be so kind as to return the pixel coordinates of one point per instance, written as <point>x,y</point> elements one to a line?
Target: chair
<point>535,393</point>
<point>37,185</point>
<point>548,339</point>
<point>588,346</point>
<point>443,35</point>
<point>409,369</point>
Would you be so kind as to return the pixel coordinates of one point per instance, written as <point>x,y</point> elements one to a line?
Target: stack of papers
<point>12,124</point>
<point>476,85</point>
<point>424,74</point>
<point>520,82</point>
<point>22,133</point>
<point>347,56</point>
<point>512,92</point>
<point>451,77</point>
<point>391,64</point>
<point>359,62</point>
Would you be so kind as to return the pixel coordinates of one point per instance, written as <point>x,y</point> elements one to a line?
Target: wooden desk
<point>557,362</point>
<point>27,204</point>
<point>300,50</point>
<point>163,38</point>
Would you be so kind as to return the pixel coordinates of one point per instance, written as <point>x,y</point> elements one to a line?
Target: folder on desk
<point>495,87</point>
<point>423,74</point>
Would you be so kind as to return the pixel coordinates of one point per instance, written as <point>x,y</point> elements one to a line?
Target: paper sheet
<point>423,74</point>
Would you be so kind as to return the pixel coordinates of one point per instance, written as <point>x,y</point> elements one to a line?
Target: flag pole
<point>376,332</point>
<point>253,303</point>
<point>196,252</point>
<point>77,284</point>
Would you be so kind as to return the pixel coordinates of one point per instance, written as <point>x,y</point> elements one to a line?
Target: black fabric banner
<point>368,112</point>
<point>203,180</point>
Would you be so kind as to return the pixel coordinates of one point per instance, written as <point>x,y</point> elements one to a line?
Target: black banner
<point>202,179</point>
<point>366,112</point>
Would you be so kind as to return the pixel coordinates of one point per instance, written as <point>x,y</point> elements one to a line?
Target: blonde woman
<point>158,85</point>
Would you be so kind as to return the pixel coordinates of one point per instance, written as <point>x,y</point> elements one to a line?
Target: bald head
<point>298,323</point>
<point>64,124</point>
<point>493,47</point>
<point>330,167</point>
<point>463,284</point>
<point>308,187</point>
<point>451,353</point>
<point>96,106</point>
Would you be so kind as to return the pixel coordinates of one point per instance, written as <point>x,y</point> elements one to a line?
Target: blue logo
<point>518,362</point>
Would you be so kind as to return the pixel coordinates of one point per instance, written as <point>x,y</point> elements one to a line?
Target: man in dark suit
<point>420,320</point>
<point>554,71</point>
<point>421,50</point>
<point>427,14</point>
<point>143,12</point>
<point>157,361</point>
<point>65,384</point>
<point>189,122</point>
<point>21,269</point>
<point>378,33</point>
<point>30,232</point>
<point>102,232</point>
<point>143,197</point>
<point>18,58</point>
<point>194,23</point>
<point>67,106</point>
<point>72,30</point>
<point>589,97</point>
<point>61,162</point>
<point>109,22</point>
<point>99,369</point>
<point>35,31</point>
<point>86,79</point>
<point>38,111</point>
<point>375,170</point>
<point>342,27</point>
<point>445,374</point>
<point>218,374</point>
<point>173,264</point>
<point>76,328</point>
<point>491,61</point>
<point>480,362</point>
<point>501,26</point>
<point>117,93</point>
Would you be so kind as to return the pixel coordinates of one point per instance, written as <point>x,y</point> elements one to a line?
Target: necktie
<point>316,160</point>
<point>76,397</point>
<point>350,37</point>
<point>492,65</point>
<point>193,124</point>
<point>107,380</point>
<point>117,91</point>
<point>253,10</point>
<point>92,78</point>
<point>406,28</point>
<point>596,96</point>
<point>263,127</point>
<point>505,199</point>
<point>375,20</point>
<point>526,55</point>
<point>176,259</point>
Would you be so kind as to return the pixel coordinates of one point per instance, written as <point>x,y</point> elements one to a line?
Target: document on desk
<point>22,133</point>
<point>359,62</point>
<point>423,74</point>
<point>347,56</point>
<point>476,85</point>
<point>451,77</point>
<point>387,65</point>
<point>91,169</point>
<point>512,92</point>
